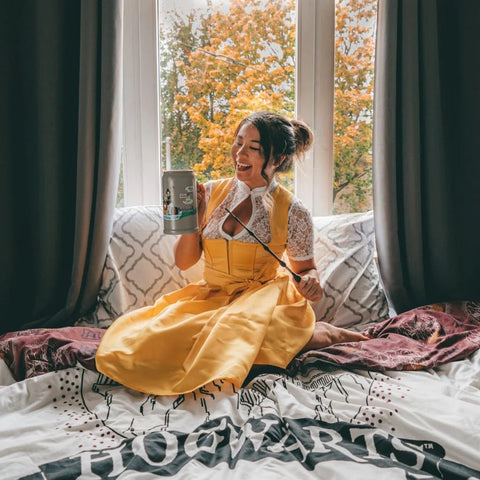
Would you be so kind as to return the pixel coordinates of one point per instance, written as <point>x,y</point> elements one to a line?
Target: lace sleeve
<point>300,239</point>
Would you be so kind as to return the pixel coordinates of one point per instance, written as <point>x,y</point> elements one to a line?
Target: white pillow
<point>345,258</point>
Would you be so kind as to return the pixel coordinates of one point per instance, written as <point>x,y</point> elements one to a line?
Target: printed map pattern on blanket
<point>303,427</point>
<point>76,423</point>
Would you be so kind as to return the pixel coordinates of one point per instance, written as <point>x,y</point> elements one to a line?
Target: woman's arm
<point>187,250</point>
<point>324,334</point>
<point>188,247</point>
<point>300,244</point>
<point>309,286</point>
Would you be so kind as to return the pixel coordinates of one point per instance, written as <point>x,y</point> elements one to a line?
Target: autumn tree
<point>354,53</point>
<point>219,67</point>
<point>176,124</point>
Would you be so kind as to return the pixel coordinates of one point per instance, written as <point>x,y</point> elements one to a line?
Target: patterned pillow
<point>345,258</point>
<point>139,266</point>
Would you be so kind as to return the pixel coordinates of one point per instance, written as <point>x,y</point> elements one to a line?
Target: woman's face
<point>248,156</point>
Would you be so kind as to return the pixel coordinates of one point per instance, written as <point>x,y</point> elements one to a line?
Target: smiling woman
<point>269,143</point>
<point>248,157</point>
<point>245,311</point>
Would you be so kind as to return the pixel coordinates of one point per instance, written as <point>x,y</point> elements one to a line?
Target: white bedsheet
<point>330,423</point>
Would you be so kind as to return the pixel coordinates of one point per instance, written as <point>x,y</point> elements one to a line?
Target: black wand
<point>266,247</point>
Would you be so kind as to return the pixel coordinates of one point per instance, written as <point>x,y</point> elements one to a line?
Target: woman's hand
<point>187,249</point>
<point>309,285</point>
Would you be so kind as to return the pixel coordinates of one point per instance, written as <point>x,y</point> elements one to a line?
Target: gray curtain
<point>426,151</point>
<point>60,126</point>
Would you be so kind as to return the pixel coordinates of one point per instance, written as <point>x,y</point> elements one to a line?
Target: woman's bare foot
<point>326,334</point>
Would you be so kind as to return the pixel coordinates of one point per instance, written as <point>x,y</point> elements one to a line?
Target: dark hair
<point>279,137</point>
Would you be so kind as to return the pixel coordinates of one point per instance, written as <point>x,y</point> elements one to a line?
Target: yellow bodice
<point>230,263</point>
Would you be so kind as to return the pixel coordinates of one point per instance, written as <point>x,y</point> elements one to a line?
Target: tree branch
<point>345,184</point>
<point>221,57</point>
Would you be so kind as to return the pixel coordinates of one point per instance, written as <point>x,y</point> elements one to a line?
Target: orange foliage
<point>222,65</point>
<point>354,54</point>
<point>243,62</point>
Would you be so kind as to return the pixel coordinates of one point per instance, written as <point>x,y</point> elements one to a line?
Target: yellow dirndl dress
<point>244,312</point>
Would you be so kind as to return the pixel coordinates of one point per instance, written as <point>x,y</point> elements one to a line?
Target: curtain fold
<point>426,151</point>
<point>99,149</point>
<point>60,155</point>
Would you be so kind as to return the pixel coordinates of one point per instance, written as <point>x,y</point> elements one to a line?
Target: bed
<point>406,404</point>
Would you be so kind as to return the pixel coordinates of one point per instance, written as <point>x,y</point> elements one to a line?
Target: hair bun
<point>303,136</point>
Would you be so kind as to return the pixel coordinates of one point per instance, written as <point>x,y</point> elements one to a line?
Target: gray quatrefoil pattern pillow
<point>345,258</point>
<point>139,266</point>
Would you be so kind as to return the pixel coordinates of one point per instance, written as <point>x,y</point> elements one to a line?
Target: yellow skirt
<point>199,334</point>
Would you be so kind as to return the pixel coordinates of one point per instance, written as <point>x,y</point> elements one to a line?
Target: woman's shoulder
<point>298,208</point>
<point>211,184</point>
<point>218,183</point>
<point>218,189</point>
<point>296,205</point>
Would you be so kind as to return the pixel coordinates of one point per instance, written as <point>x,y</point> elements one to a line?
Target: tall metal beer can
<point>179,193</point>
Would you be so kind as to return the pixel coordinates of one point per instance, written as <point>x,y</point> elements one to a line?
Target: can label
<point>179,195</point>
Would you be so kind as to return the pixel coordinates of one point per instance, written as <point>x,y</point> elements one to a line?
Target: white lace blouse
<point>300,226</point>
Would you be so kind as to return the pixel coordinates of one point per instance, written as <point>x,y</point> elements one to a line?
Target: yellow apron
<point>242,313</point>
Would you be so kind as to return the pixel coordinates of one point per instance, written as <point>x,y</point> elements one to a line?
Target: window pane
<point>220,61</point>
<point>354,61</point>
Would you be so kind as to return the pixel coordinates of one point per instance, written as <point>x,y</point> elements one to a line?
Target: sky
<point>186,5</point>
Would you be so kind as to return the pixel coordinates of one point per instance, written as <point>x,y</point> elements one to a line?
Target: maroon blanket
<point>421,338</point>
<point>32,352</point>
<point>424,337</point>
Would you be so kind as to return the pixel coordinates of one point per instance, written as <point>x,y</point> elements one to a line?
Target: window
<point>355,22</point>
<point>140,181</point>
<point>307,60</point>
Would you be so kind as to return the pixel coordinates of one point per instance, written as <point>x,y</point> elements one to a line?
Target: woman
<point>245,311</point>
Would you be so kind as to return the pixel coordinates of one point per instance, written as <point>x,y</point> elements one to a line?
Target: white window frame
<point>141,123</point>
<point>314,103</point>
<point>314,87</point>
